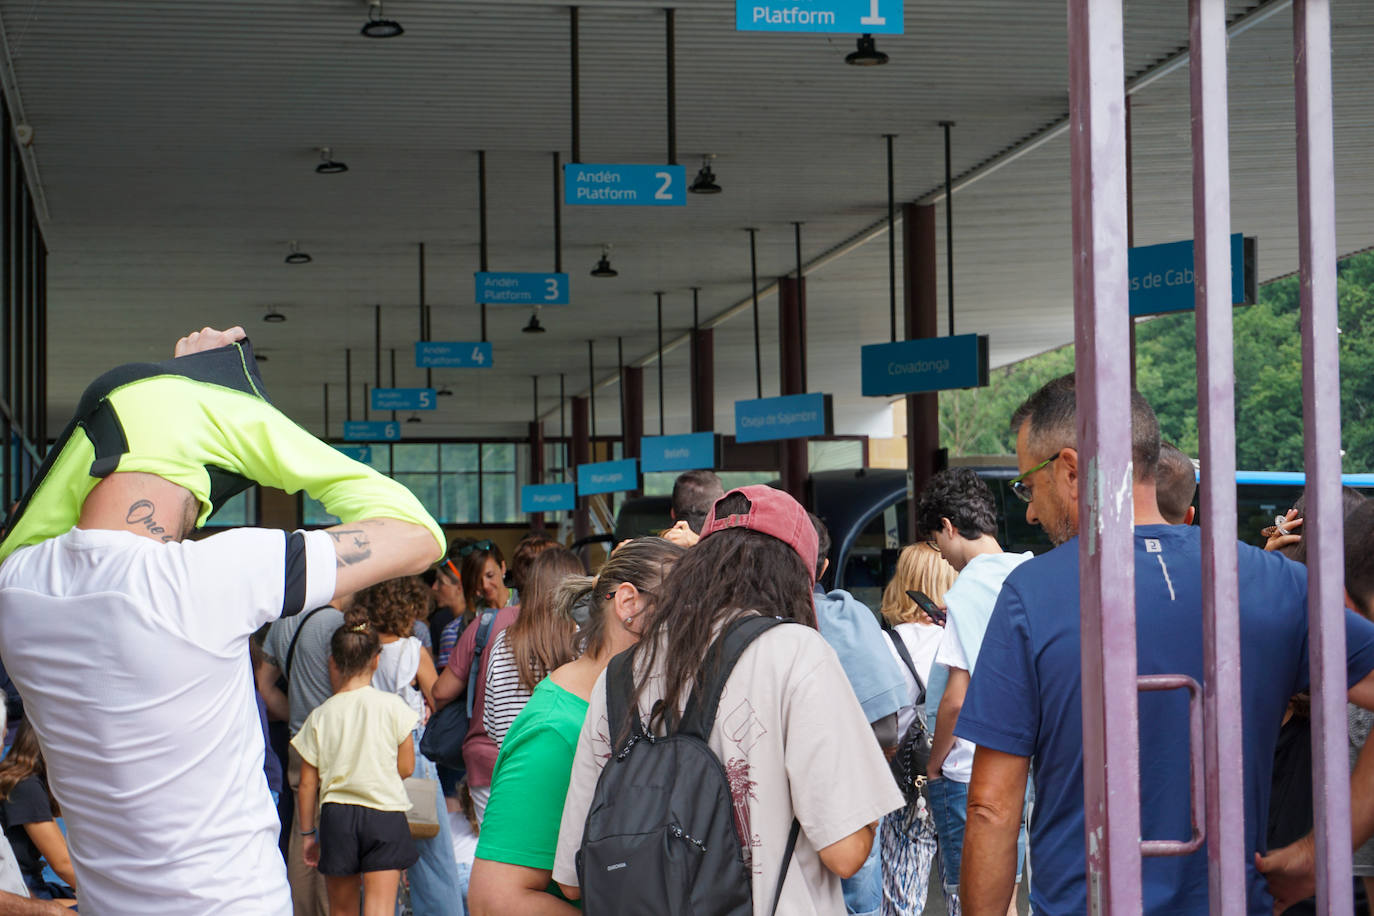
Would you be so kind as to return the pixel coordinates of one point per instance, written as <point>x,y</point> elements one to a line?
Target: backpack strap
<point>620,687</point>
<point>900,645</point>
<point>700,713</point>
<point>291,647</point>
<point>483,632</point>
<point>786,862</point>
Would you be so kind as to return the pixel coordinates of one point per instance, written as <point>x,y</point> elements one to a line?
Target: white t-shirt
<point>795,743</point>
<point>132,659</point>
<point>921,641</point>
<point>396,670</point>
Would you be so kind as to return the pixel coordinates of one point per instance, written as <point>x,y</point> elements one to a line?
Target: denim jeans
<point>434,881</point>
<point>949,805</point>
<point>863,893</point>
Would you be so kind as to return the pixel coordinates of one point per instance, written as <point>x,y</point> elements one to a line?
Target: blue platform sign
<point>1161,276</point>
<point>453,354</point>
<point>361,453</point>
<point>929,364</point>
<point>548,497</point>
<point>607,477</point>
<point>371,431</point>
<point>520,289</point>
<point>625,185</point>
<point>874,17</point>
<point>677,453</point>
<point>793,416</point>
<point>404,398</point>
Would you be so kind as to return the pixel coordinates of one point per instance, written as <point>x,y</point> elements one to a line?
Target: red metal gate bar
<point>1322,437</point>
<point>1196,769</point>
<point>1106,541</point>
<point>1224,771</point>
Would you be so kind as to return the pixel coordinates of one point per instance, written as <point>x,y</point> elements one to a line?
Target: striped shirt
<point>506,696</point>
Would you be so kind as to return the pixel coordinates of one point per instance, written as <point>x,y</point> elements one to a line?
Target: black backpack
<point>660,836</point>
<point>913,750</point>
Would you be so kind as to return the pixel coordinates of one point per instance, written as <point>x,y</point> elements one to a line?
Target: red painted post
<point>1223,742</point>
<point>1106,540</point>
<point>1322,458</point>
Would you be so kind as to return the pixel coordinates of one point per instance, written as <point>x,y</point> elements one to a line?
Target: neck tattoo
<point>141,513</point>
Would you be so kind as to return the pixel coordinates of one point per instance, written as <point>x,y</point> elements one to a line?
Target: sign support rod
<point>326,412</point>
<point>949,236</point>
<point>424,316</point>
<point>891,241</point>
<point>591,392</point>
<point>754,274</point>
<point>563,416</point>
<point>557,215</point>
<point>482,224</point>
<point>575,87</point>
<point>659,297</point>
<point>348,384</point>
<point>672,84</point>
<point>796,235</point>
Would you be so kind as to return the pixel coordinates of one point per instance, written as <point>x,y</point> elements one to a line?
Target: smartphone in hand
<point>931,609</point>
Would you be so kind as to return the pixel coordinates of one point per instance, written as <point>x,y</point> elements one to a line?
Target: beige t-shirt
<point>794,742</point>
<point>352,738</point>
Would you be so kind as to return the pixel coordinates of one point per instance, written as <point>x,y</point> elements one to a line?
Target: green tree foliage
<point>1268,380</point>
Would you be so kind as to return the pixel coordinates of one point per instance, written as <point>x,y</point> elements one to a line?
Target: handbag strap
<point>483,631</point>
<point>786,862</point>
<point>900,645</point>
<point>291,647</point>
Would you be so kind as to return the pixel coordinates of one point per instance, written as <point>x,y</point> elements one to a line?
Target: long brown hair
<point>541,637</point>
<point>25,759</point>
<point>730,573</point>
<point>643,563</point>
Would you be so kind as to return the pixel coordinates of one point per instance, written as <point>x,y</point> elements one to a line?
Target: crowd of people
<point>699,726</point>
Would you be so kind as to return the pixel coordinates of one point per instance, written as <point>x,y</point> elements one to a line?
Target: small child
<point>355,749</point>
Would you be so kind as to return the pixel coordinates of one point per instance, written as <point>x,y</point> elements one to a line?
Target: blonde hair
<point>920,568</point>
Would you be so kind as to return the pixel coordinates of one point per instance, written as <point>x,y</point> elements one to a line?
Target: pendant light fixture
<point>534,327</point>
<point>377,26</point>
<point>705,182</point>
<point>328,164</point>
<point>866,55</point>
<point>273,316</point>
<point>603,267</point>
<point>296,256</point>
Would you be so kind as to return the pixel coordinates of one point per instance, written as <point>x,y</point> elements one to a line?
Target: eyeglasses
<point>1018,483</point>
<point>474,547</point>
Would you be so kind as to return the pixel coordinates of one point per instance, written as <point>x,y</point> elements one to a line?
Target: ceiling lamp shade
<point>296,256</point>
<point>534,327</point>
<point>603,267</point>
<point>328,165</point>
<point>866,55</point>
<point>378,27</point>
<point>444,392</point>
<point>705,182</point>
<point>273,316</point>
<point>414,418</point>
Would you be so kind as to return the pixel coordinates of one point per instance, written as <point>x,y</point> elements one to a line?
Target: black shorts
<point>354,839</point>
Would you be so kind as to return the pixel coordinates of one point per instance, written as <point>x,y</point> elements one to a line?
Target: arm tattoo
<point>351,546</point>
<point>141,513</point>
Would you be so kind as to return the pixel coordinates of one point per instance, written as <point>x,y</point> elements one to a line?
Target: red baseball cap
<point>774,513</point>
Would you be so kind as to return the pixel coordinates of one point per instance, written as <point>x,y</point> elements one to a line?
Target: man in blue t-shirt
<point>1025,700</point>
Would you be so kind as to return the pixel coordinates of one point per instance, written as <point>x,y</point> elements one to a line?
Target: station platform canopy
<point>174,147</point>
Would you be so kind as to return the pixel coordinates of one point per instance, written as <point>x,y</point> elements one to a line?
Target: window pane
<point>836,456</point>
<point>459,499</point>
<point>380,458</point>
<point>499,505</point>
<point>313,514</point>
<point>659,483</point>
<point>425,487</point>
<point>235,513</point>
<point>414,456</point>
<point>498,456</point>
<point>458,456</point>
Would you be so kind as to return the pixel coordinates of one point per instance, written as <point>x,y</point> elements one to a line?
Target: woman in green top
<point>514,862</point>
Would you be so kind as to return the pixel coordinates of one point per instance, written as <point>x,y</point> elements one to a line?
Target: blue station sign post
<point>361,453</point>
<point>404,399</point>
<point>687,452</point>
<point>520,288</point>
<point>624,185</point>
<point>1161,276</point>
<point>371,431</point>
<point>873,17</point>
<point>927,364</point>
<point>453,354</point>
<point>548,497</point>
<point>607,477</point>
<point>793,416</point>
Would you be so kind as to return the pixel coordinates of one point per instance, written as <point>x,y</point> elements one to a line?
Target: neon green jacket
<point>204,423</point>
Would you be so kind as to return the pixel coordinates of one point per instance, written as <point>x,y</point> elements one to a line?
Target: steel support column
<point>537,467</point>
<point>922,302</point>
<point>632,420</point>
<point>1322,457</point>
<point>703,380</point>
<point>581,454</point>
<point>1223,740</point>
<point>791,347</point>
<point>1105,480</point>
